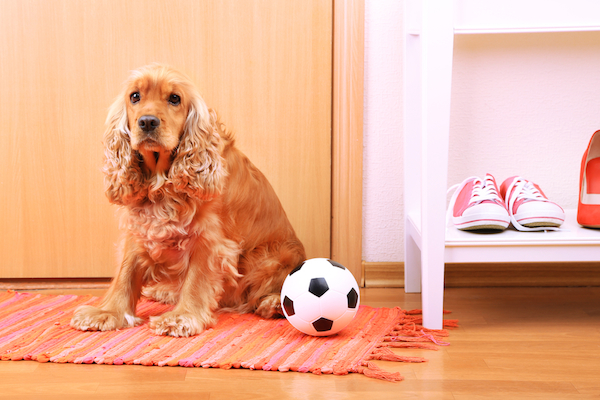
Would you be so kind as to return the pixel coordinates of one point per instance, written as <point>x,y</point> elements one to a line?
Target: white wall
<point>522,104</point>
<point>382,133</point>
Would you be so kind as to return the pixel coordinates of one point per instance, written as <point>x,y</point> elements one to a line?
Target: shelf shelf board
<point>571,243</point>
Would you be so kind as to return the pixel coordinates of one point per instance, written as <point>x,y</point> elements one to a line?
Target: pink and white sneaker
<point>476,205</point>
<point>528,206</point>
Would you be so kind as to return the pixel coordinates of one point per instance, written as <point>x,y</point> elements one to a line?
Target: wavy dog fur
<point>203,227</point>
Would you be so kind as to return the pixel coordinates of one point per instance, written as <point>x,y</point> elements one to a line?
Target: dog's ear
<point>124,181</point>
<point>198,167</point>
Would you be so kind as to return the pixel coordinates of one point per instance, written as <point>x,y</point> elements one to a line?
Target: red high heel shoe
<point>588,209</point>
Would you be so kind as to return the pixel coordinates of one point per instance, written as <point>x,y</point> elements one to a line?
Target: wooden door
<point>264,65</point>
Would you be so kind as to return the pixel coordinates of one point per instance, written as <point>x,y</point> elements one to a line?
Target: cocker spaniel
<point>204,229</point>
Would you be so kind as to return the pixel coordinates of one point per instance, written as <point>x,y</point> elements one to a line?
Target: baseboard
<point>391,274</point>
<point>383,274</point>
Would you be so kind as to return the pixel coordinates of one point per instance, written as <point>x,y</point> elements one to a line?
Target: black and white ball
<point>320,297</point>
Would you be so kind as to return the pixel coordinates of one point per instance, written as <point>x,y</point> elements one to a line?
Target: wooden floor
<point>513,343</point>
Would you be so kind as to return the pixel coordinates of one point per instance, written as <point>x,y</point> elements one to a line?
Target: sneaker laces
<point>522,189</point>
<point>482,190</point>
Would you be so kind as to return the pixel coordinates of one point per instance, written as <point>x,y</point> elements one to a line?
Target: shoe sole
<point>471,224</point>
<point>536,221</point>
<point>489,227</point>
<point>542,224</point>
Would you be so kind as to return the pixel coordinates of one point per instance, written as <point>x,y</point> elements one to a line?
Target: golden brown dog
<point>203,227</point>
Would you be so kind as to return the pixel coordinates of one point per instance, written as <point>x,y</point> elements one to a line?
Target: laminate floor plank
<point>512,343</point>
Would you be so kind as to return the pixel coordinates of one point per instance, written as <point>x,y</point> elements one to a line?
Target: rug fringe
<point>373,371</point>
<point>407,334</point>
<point>385,354</point>
<point>413,345</point>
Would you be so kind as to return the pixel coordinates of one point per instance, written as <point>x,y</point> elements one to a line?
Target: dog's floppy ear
<point>124,181</point>
<point>198,167</point>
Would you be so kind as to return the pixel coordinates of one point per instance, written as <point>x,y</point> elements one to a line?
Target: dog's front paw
<point>88,318</point>
<point>177,324</point>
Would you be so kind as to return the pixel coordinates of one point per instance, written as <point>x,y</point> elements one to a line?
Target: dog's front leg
<point>117,309</point>
<point>199,299</point>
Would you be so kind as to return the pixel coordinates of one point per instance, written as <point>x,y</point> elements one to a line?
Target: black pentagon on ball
<point>288,305</point>
<point>336,264</point>
<point>322,324</point>
<point>352,298</point>
<point>297,268</point>
<point>318,286</point>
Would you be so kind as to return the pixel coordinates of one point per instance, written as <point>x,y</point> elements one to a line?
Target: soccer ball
<point>320,297</point>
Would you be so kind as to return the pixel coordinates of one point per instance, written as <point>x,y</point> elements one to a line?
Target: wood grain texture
<point>517,343</point>
<point>493,274</point>
<point>384,274</point>
<point>264,65</point>
<point>348,87</point>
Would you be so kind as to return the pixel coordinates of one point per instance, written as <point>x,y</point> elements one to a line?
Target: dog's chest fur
<point>164,225</point>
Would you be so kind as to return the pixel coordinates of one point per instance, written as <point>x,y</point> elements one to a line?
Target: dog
<point>203,228</point>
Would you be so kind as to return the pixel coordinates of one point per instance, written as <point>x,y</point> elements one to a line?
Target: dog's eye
<point>135,97</point>
<point>174,99</point>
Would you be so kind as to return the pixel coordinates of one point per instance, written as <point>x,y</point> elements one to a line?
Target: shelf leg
<point>437,41</point>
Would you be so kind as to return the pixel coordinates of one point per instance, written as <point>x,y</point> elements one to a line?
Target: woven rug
<point>36,327</point>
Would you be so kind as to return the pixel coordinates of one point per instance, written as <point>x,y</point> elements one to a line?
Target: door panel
<point>264,65</point>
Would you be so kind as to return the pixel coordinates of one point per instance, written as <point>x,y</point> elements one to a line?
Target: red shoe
<point>476,205</point>
<point>588,209</point>
<point>528,206</point>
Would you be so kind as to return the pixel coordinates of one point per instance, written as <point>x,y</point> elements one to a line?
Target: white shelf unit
<point>430,26</point>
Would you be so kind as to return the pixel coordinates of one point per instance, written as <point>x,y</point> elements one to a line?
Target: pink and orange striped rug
<point>35,326</point>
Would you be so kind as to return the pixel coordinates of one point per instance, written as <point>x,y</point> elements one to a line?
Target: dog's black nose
<point>148,123</point>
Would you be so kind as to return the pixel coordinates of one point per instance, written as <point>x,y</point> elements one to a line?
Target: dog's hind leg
<point>265,270</point>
